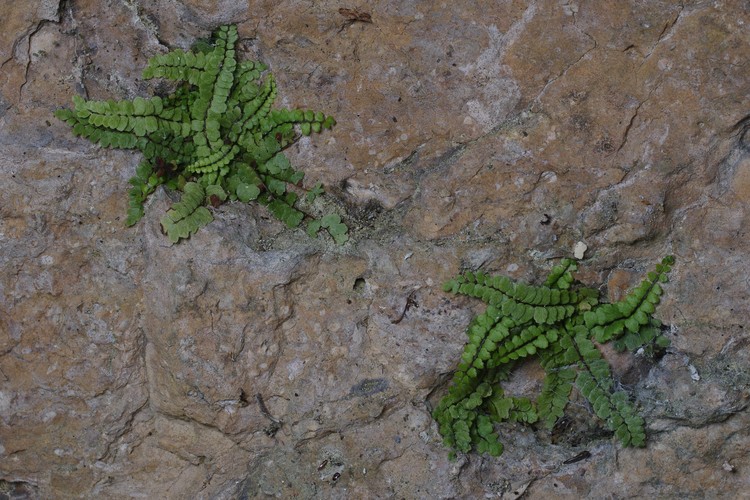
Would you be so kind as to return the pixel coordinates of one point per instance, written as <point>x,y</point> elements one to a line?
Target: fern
<point>217,131</point>
<point>187,216</point>
<point>558,325</point>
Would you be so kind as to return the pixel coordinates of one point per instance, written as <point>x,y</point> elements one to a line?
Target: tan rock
<point>470,135</point>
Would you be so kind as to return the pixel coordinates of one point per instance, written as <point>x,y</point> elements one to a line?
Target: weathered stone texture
<point>471,134</point>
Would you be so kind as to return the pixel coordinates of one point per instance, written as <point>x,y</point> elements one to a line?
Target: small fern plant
<point>559,325</point>
<point>215,138</point>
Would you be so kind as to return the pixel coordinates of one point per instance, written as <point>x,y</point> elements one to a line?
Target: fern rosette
<point>559,326</point>
<point>216,137</point>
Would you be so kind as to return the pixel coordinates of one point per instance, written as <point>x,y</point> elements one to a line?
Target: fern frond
<point>186,216</point>
<point>649,338</point>
<point>524,411</point>
<point>633,312</point>
<point>218,128</point>
<point>283,209</point>
<point>553,399</point>
<point>176,65</point>
<point>334,227</point>
<point>561,276</point>
<point>556,323</point>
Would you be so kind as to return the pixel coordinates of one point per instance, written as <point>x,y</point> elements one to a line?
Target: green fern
<point>216,131</point>
<point>558,325</point>
<point>187,216</point>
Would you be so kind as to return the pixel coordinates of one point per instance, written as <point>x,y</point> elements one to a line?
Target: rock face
<point>253,361</point>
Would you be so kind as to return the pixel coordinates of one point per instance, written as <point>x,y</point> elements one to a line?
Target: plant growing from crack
<point>215,138</point>
<point>559,325</point>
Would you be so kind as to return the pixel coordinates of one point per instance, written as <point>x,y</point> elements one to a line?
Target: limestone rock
<point>251,360</point>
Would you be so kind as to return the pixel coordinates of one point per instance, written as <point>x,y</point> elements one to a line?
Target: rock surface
<point>471,134</point>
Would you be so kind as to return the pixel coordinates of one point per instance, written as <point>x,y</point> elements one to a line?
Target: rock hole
<point>17,490</point>
<point>359,285</point>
